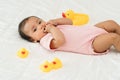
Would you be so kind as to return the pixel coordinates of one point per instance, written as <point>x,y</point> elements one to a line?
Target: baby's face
<point>34,28</point>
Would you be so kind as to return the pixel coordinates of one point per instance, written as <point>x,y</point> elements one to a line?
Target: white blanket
<point>75,66</point>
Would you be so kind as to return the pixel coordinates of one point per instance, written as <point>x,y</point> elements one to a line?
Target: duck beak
<point>63,14</point>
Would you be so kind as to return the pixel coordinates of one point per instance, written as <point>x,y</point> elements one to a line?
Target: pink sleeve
<point>45,41</point>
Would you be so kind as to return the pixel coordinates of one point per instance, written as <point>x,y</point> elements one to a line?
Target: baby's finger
<point>52,22</point>
<point>49,22</point>
<point>49,25</point>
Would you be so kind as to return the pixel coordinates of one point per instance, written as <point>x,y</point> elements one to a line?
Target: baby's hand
<point>48,28</point>
<point>53,22</point>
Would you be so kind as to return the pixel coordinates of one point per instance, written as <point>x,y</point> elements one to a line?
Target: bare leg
<point>109,26</point>
<point>105,41</point>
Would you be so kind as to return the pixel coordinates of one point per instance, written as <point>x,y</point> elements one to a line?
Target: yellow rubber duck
<point>56,63</point>
<point>22,53</point>
<point>46,66</point>
<point>77,18</point>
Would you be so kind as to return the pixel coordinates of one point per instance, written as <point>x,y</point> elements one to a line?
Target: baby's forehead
<point>33,18</point>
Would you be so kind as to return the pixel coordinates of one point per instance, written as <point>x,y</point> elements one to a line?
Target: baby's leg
<point>105,41</point>
<point>109,26</point>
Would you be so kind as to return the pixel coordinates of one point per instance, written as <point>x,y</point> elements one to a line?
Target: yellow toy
<point>77,18</point>
<point>48,66</point>
<point>22,53</point>
<point>56,63</point>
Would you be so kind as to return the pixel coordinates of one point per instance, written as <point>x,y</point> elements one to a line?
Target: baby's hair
<point>20,29</point>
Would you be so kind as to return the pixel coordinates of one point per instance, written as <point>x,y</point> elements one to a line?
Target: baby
<point>60,34</point>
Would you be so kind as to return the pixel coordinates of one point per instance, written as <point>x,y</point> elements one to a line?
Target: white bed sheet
<point>75,66</point>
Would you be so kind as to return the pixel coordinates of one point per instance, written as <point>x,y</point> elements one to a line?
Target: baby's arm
<point>58,36</point>
<point>60,21</point>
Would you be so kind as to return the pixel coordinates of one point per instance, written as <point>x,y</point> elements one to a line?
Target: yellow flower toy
<point>48,66</point>
<point>77,18</point>
<point>22,53</point>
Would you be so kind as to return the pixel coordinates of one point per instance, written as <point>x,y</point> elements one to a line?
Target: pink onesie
<point>77,39</point>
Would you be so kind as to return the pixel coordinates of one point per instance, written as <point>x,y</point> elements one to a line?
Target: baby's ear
<point>38,41</point>
<point>35,41</point>
<point>31,40</point>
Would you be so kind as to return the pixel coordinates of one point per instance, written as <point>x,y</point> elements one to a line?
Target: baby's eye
<point>34,29</point>
<point>39,22</point>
